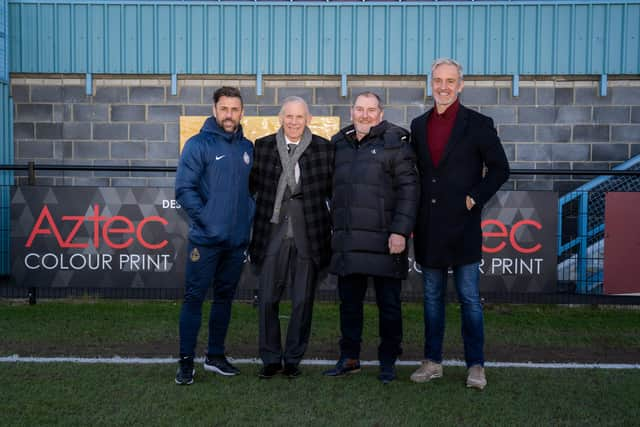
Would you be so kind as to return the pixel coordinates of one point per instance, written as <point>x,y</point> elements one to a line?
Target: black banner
<point>519,230</point>
<point>114,237</point>
<point>97,237</point>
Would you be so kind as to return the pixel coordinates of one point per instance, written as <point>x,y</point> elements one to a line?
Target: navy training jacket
<point>212,185</point>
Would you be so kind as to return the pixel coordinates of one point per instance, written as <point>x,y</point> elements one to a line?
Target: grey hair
<point>368,94</point>
<point>447,61</point>
<point>290,99</point>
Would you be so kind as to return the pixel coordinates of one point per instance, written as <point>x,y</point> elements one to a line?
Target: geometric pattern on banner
<point>85,255</point>
<point>97,237</point>
<point>527,261</point>
<point>509,270</point>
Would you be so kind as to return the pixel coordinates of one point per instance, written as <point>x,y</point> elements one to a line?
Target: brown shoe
<point>476,377</point>
<point>427,371</point>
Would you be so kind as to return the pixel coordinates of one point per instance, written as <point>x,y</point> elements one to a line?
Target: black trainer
<point>291,370</point>
<point>387,373</point>
<point>220,365</point>
<point>186,371</point>
<point>269,370</point>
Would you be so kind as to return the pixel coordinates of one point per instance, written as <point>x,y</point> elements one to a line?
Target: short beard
<point>221,124</point>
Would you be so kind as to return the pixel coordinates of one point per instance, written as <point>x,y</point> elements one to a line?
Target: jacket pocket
<point>213,217</point>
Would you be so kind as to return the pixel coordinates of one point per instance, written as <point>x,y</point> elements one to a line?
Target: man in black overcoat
<point>462,164</point>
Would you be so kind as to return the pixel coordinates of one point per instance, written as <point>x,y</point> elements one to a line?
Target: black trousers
<point>352,290</point>
<point>281,268</point>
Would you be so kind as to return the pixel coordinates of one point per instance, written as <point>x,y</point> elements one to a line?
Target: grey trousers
<point>284,266</point>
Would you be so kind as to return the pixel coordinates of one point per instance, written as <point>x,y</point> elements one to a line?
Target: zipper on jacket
<point>233,171</point>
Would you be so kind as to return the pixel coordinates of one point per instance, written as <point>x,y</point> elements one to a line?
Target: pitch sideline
<point>117,360</point>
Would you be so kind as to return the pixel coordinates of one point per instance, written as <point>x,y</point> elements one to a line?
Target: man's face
<point>365,114</point>
<point>446,85</point>
<point>293,119</point>
<point>228,113</point>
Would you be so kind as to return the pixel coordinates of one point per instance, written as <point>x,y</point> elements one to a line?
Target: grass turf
<point>78,394</point>
<point>71,394</point>
<point>106,328</point>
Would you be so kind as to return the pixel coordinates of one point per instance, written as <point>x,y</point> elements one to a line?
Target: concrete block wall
<point>553,123</point>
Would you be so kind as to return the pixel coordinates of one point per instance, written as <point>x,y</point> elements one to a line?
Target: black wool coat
<point>375,193</point>
<point>447,233</point>
<point>316,171</point>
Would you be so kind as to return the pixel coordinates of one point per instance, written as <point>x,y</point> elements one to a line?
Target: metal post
<point>32,173</point>
<point>259,83</point>
<point>583,220</point>
<point>515,85</point>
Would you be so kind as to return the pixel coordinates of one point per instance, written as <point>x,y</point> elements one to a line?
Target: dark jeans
<point>222,267</point>
<point>466,278</point>
<point>352,289</point>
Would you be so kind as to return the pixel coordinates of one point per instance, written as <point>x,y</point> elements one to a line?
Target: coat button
<point>434,180</point>
<point>433,201</point>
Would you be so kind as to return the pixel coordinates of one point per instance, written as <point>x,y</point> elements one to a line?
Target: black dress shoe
<point>291,370</point>
<point>387,374</point>
<point>344,367</point>
<point>269,370</point>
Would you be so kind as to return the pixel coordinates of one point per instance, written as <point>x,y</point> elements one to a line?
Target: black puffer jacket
<point>375,193</point>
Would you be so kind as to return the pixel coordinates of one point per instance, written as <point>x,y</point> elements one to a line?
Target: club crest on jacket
<point>195,255</point>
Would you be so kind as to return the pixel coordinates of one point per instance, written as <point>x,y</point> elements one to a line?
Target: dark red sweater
<point>439,127</point>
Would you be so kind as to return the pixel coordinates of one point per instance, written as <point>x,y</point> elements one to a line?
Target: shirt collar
<point>288,141</point>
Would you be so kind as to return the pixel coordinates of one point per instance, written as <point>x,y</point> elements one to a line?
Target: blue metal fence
<point>581,244</point>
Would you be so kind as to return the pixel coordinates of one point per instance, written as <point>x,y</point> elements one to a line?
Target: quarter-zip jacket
<point>212,185</point>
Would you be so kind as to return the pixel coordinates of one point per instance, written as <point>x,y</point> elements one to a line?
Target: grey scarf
<point>287,177</point>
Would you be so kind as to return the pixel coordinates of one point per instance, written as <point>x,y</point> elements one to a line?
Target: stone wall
<point>553,123</point>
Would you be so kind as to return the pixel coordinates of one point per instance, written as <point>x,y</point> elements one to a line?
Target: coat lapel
<point>421,143</point>
<point>456,134</point>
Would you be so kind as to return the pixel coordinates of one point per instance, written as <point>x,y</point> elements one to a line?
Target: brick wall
<point>551,124</point>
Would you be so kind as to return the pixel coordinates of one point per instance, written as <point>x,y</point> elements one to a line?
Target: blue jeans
<point>466,279</point>
<point>207,265</point>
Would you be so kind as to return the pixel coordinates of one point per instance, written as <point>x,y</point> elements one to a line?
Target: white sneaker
<point>476,377</point>
<point>427,371</point>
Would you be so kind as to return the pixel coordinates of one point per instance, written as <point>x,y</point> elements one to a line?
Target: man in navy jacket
<point>212,186</point>
<point>462,164</point>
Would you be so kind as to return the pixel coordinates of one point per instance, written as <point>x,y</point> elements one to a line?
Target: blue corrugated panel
<point>6,177</point>
<point>4,68</point>
<point>317,38</point>
<point>6,142</point>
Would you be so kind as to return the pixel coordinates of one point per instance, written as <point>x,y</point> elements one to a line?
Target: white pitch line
<point>117,360</point>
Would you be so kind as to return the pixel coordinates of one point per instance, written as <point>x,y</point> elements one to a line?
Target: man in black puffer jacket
<point>375,196</point>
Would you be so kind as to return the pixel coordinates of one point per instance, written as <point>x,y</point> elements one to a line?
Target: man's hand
<point>397,243</point>
<point>470,203</point>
